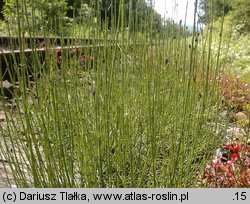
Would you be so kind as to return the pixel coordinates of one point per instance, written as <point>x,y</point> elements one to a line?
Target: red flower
<point>234,157</point>
<point>230,175</point>
<point>59,60</point>
<point>235,148</point>
<point>231,169</point>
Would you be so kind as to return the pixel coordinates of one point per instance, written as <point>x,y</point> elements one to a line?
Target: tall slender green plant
<point>139,115</point>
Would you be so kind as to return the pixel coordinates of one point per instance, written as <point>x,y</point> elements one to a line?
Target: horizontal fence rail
<point>15,43</point>
<point>11,49</point>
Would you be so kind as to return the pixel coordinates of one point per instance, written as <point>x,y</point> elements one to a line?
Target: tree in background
<point>137,12</point>
<point>52,16</point>
<point>238,10</point>
<point>35,15</point>
<point>241,14</point>
<point>1,10</point>
<point>73,7</point>
<point>213,9</point>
